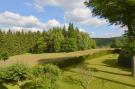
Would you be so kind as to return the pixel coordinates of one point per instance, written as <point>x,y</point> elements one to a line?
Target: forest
<point>57,39</point>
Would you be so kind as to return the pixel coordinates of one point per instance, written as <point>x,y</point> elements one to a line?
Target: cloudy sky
<point>44,14</point>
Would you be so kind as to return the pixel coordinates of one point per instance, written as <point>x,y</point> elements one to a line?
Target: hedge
<point>80,59</point>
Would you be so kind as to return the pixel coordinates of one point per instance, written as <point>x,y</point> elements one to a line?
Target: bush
<point>38,70</point>
<point>124,59</point>
<point>14,74</point>
<point>44,77</point>
<point>3,56</point>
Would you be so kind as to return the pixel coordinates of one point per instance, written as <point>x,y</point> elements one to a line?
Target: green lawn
<point>107,74</point>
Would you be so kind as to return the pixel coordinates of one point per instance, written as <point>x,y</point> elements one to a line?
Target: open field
<point>33,59</point>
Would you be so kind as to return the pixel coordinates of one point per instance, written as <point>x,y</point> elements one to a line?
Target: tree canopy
<point>118,12</point>
<point>57,39</point>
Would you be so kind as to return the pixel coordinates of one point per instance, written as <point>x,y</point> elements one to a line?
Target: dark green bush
<point>14,74</point>
<point>124,59</point>
<point>4,56</point>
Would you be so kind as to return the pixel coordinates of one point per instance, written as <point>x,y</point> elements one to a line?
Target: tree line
<point>57,39</point>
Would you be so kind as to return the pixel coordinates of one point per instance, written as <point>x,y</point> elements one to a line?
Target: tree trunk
<point>130,32</point>
<point>133,66</point>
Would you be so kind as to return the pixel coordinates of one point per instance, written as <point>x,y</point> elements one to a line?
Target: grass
<point>106,75</point>
<point>34,59</point>
<point>105,70</point>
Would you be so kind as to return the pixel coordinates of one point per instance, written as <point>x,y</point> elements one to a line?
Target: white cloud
<point>74,10</point>
<point>82,30</point>
<point>17,22</point>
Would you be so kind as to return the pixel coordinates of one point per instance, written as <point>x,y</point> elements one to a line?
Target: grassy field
<point>105,73</point>
<point>34,59</point>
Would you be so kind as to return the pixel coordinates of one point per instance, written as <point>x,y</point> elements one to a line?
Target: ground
<point>106,74</point>
<point>34,59</point>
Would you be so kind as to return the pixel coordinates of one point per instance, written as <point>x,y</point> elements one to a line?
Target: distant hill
<point>104,42</point>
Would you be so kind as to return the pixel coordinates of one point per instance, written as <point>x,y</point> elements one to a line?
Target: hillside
<point>104,42</point>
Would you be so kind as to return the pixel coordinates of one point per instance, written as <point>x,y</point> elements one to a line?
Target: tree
<point>58,38</point>
<point>84,42</point>
<point>70,41</point>
<point>69,45</point>
<point>118,12</point>
<point>40,46</point>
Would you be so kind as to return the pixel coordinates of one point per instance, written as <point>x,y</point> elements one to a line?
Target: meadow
<point>104,71</point>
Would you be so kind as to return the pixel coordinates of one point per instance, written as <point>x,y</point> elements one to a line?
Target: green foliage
<point>50,69</point>
<point>84,42</point>
<point>103,42</point>
<point>118,42</point>
<point>118,12</point>
<point>40,46</point>
<point>44,77</point>
<point>38,77</point>
<point>4,56</point>
<point>14,74</point>
<point>54,40</point>
<point>16,42</point>
<point>130,47</point>
<point>124,59</point>
<point>69,45</point>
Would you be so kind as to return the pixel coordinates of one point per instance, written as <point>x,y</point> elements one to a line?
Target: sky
<point>34,15</point>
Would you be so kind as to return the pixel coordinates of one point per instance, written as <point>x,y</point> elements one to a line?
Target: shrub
<point>124,59</point>
<point>38,70</point>
<point>45,77</point>
<point>4,56</point>
<point>14,74</point>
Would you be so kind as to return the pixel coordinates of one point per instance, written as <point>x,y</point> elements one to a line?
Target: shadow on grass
<point>113,63</point>
<point>63,62</point>
<point>115,81</point>
<point>52,60</point>
<point>3,86</point>
<point>97,70</point>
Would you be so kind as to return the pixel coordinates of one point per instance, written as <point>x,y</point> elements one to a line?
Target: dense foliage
<point>38,77</point>
<point>119,42</point>
<point>14,74</point>
<point>103,42</point>
<point>3,56</point>
<point>54,40</point>
<point>119,12</point>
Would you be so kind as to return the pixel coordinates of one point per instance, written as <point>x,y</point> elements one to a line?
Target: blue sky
<point>44,14</point>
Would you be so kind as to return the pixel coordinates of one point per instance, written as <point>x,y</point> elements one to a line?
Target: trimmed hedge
<point>80,59</point>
